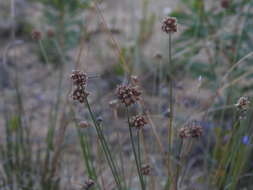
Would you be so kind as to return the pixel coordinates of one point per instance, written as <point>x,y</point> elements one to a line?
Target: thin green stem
<point>43,51</point>
<point>171,98</point>
<point>105,147</point>
<point>135,153</point>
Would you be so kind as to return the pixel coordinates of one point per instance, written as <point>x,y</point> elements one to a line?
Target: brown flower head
<point>184,132</point>
<point>138,121</point>
<point>79,78</point>
<point>79,94</point>
<point>145,170</point>
<point>243,106</point>
<point>169,25</point>
<point>127,94</point>
<point>36,35</point>
<point>192,129</point>
<point>243,103</point>
<point>195,129</point>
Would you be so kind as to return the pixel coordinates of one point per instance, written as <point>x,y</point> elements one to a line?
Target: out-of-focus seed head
<point>193,129</point>
<point>50,33</point>
<point>127,94</point>
<point>243,106</point>
<point>145,170</point>
<point>88,184</point>
<point>225,4</point>
<point>79,78</point>
<point>169,25</point>
<point>184,132</point>
<point>138,121</point>
<point>243,103</point>
<point>36,34</point>
<point>196,131</point>
<point>83,124</point>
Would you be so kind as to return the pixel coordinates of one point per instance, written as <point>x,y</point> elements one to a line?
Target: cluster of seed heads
<point>193,130</point>
<point>138,121</point>
<point>128,94</point>
<point>37,35</point>
<point>169,25</point>
<point>243,106</point>
<point>145,170</point>
<point>79,79</point>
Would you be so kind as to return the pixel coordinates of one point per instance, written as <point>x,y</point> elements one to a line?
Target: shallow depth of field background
<point>42,145</point>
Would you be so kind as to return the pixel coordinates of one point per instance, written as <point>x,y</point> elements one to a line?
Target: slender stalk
<point>105,147</point>
<point>170,123</point>
<point>43,51</point>
<point>135,153</point>
<point>139,147</point>
<point>171,98</point>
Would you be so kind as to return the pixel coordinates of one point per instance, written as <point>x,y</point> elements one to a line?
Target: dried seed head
<point>225,4</point>
<point>145,170</point>
<point>192,129</point>
<point>243,106</point>
<point>127,94</point>
<point>88,184</point>
<point>184,132</point>
<point>138,121</point>
<point>79,78</point>
<point>36,35</point>
<point>196,131</point>
<point>83,124</point>
<point>50,33</point>
<point>79,94</point>
<point>243,103</point>
<point>169,25</point>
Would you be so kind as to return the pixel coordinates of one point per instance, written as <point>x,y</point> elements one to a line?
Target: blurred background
<point>43,145</point>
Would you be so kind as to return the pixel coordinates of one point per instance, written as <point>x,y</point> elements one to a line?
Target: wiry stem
<point>137,161</point>
<point>171,98</point>
<point>105,147</point>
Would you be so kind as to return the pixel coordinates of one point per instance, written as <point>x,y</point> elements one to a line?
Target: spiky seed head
<point>79,94</point>
<point>127,94</point>
<point>79,78</point>
<point>169,25</point>
<point>138,121</point>
<point>243,106</point>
